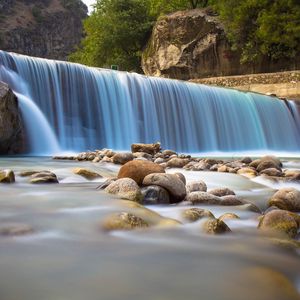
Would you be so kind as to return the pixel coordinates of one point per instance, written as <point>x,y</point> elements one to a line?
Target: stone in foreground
<point>7,176</point>
<point>286,198</point>
<point>154,194</point>
<point>194,214</point>
<point>88,174</point>
<point>215,226</point>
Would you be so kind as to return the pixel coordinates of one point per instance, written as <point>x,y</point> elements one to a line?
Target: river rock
<point>220,192</point>
<point>168,153</point>
<point>7,176</point>
<point>215,226</point>
<point>267,164</point>
<point>247,172</point>
<point>43,177</point>
<point>154,194</point>
<point>286,198</point>
<point>143,155</point>
<point>106,159</point>
<point>279,221</point>
<point>122,158</point>
<point>246,160</point>
<point>15,229</point>
<point>125,188</point>
<point>271,172</point>
<point>223,168</point>
<point>181,177</point>
<point>228,216</point>
<point>147,148</point>
<point>201,166</point>
<point>194,214</point>
<point>202,198</point>
<point>138,170</point>
<point>231,200</point>
<point>196,186</point>
<point>177,162</point>
<point>159,160</point>
<point>170,182</point>
<point>96,159</point>
<point>88,174</point>
<point>11,128</point>
<point>295,174</point>
<point>123,221</point>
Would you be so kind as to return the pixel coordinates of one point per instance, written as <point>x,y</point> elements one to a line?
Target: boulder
<point>194,214</point>
<point>286,198</point>
<point>220,192</point>
<point>138,170</point>
<point>177,162</point>
<point>181,177</point>
<point>147,148</point>
<point>279,221</point>
<point>123,221</point>
<point>154,194</point>
<point>201,166</point>
<point>223,169</point>
<point>11,128</point>
<point>247,172</point>
<point>215,226</point>
<point>246,160</point>
<point>88,174</point>
<point>43,177</point>
<point>228,216</point>
<point>170,182</point>
<point>122,158</point>
<point>144,155</point>
<point>267,164</point>
<point>167,153</point>
<point>196,186</point>
<point>7,176</point>
<point>202,198</point>
<point>271,172</point>
<point>125,188</point>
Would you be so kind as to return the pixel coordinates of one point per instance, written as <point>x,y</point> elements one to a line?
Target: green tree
<point>259,28</point>
<point>116,32</point>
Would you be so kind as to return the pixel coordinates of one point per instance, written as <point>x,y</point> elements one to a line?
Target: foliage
<point>116,32</point>
<point>262,27</point>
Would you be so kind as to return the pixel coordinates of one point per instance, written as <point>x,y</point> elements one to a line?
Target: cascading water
<point>90,108</point>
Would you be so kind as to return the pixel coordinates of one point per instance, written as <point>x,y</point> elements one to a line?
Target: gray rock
<point>202,198</point>
<point>220,192</point>
<point>196,186</point>
<point>154,194</point>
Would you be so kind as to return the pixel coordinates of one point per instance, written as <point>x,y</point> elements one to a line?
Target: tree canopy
<point>118,30</point>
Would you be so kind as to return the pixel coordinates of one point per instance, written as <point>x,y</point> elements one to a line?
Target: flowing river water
<point>69,256</point>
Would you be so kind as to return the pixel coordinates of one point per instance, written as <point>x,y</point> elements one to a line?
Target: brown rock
<point>247,172</point>
<point>228,216</point>
<point>202,198</point>
<point>177,162</point>
<point>196,186</point>
<point>170,182</point>
<point>125,188</point>
<point>123,221</point>
<point>138,170</point>
<point>122,158</point>
<point>181,177</point>
<point>271,172</point>
<point>7,176</point>
<point>43,177</point>
<point>279,221</point>
<point>286,198</point>
<point>88,174</point>
<point>220,192</point>
<point>267,164</point>
<point>215,226</point>
<point>15,229</point>
<point>194,214</point>
<point>147,148</point>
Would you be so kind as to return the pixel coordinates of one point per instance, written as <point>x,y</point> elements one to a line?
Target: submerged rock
<point>286,198</point>
<point>215,226</point>
<point>43,177</point>
<point>154,194</point>
<point>138,170</point>
<point>123,221</point>
<point>194,214</point>
<point>196,186</point>
<point>7,176</point>
<point>170,182</point>
<point>125,188</point>
<point>279,221</point>
<point>228,216</point>
<point>88,174</point>
<point>15,229</point>
<point>202,198</point>
<point>220,192</point>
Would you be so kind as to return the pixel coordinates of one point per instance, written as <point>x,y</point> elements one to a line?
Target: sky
<point>88,3</point>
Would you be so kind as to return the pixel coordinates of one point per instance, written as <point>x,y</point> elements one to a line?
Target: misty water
<point>69,256</point>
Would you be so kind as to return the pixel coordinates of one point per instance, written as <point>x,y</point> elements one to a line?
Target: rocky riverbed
<point>150,224</point>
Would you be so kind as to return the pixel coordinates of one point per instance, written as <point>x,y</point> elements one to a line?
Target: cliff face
<point>193,44</point>
<point>11,128</point>
<point>43,28</point>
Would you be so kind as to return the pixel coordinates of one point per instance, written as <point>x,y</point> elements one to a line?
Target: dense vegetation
<point>118,30</point>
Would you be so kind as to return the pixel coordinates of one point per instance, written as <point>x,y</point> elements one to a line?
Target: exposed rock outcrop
<point>43,28</point>
<point>193,44</point>
<point>11,133</point>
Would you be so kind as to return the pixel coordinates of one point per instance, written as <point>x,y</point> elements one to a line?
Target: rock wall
<point>42,28</point>
<point>282,84</point>
<point>193,44</point>
<point>11,129</point>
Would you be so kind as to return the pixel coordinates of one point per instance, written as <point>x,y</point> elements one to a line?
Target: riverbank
<point>282,84</point>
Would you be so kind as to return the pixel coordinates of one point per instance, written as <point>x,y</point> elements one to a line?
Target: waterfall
<point>91,108</point>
